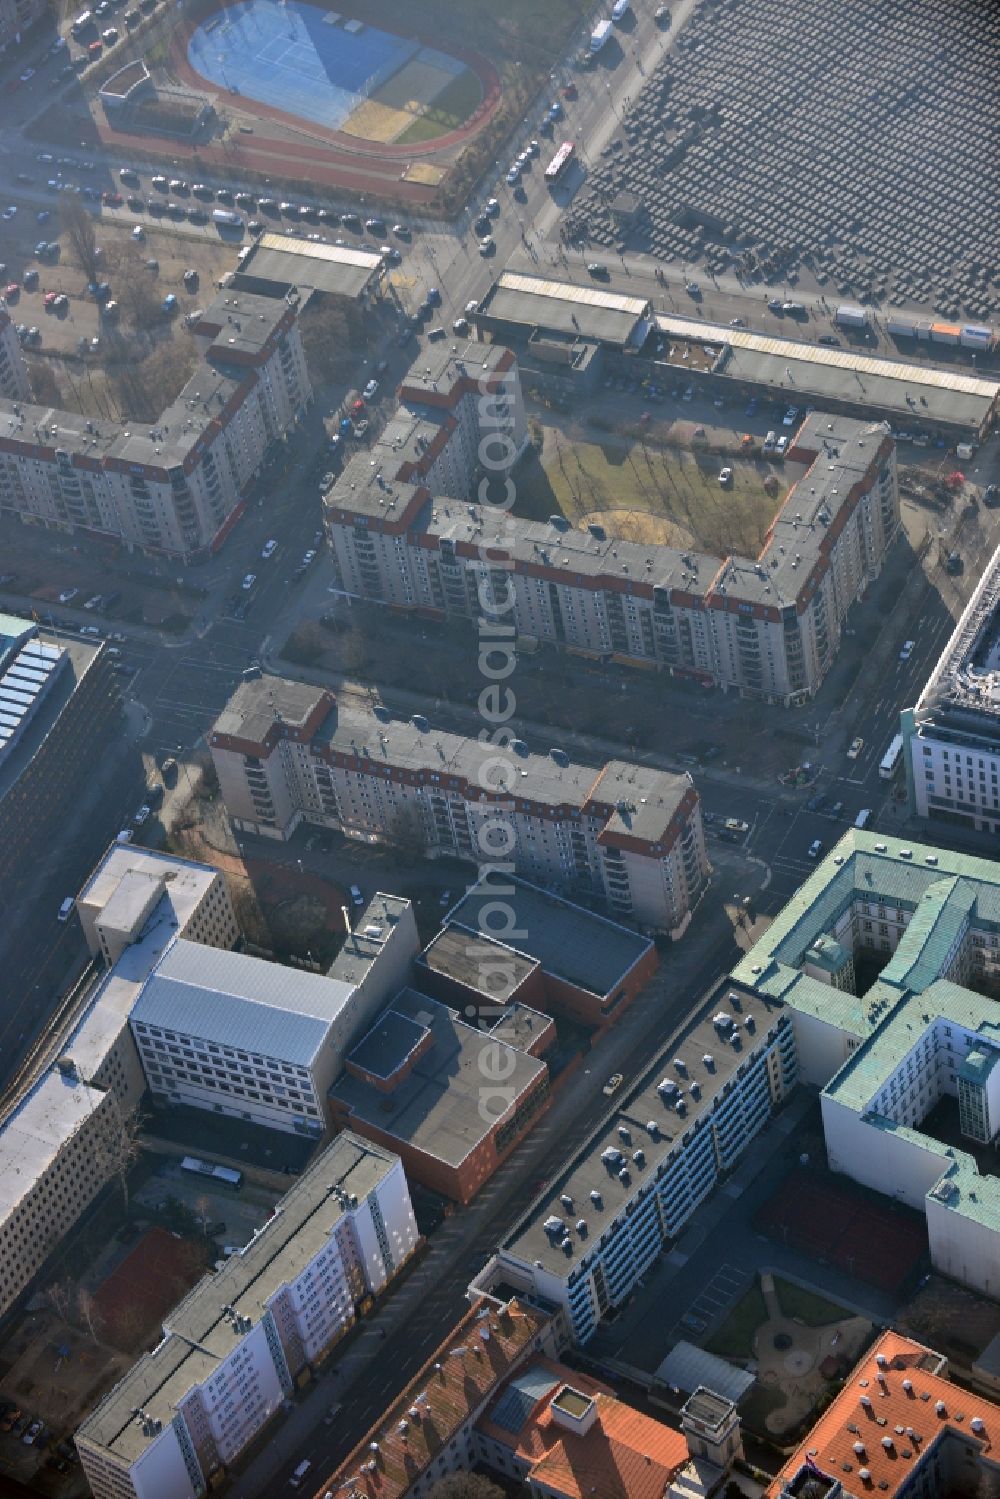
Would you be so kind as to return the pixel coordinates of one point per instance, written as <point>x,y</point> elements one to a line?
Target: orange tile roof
<point>439,1401</point>
<point>910,1420</point>
<point>624,1452</point>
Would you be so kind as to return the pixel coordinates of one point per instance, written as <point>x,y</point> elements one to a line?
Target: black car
<point>484,224</point>
<point>224,194</point>
<point>991,496</point>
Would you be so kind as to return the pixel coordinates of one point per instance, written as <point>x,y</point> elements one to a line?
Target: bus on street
<point>560,162</point>
<point>891,759</point>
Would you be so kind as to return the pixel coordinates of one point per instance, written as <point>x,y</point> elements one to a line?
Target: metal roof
<point>561,306</point>
<point>813,371</point>
<point>239,1001</point>
<point>689,1368</point>
<point>27,677</point>
<point>286,260</point>
<point>521,1396</point>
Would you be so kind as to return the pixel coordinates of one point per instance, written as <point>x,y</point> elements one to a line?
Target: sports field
<point>334,71</point>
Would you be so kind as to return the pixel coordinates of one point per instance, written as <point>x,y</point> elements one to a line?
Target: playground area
<point>796,1342</point>
<point>839,1223</point>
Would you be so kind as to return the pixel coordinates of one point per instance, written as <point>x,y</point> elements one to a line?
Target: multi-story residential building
<point>176,485</point>
<point>452,1098</point>
<point>254,1040</point>
<point>922,1038</point>
<point>429,1430</point>
<point>627,834</point>
<point>59,705</point>
<point>898,1427</point>
<point>234,1350</point>
<point>626,1194</point>
<point>952,736</point>
<point>409,525</point>
<point>14,382</point>
<point>57,1150</point>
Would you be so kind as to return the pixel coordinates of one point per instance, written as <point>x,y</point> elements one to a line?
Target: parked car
<point>612,1085</point>
<point>269,548</point>
<point>356,896</point>
<point>815,848</point>
<point>906,650</point>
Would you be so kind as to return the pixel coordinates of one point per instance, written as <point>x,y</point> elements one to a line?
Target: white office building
<point>625,1197</point>
<point>907,1067</point>
<point>252,1039</point>
<point>237,1346</point>
<point>952,736</point>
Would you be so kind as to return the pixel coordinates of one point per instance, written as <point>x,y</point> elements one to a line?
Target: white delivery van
<point>66,909</point>
<point>861,821</point>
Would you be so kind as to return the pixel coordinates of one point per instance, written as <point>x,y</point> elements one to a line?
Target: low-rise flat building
<point>57,1151</point>
<point>410,526</point>
<point>234,1349</point>
<point>177,485</point>
<point>952,736</point>
<point>624,1197</point>
<point>59,706</point>
<point>546,952</point>
<point>898,1427</point>
<point>628,835</point>
<point>116,903</point>
<point>921,1037</point>
<point>452,1099</point>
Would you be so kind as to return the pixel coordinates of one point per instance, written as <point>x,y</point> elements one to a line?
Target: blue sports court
<point>303,60</point>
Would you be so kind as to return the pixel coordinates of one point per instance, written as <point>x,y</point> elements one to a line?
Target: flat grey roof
<point>34,1133</point>
<point>438,1107</point>
<point>256,706</point>
<point>362,946</point>
<point>200,1336</point>
<point>185,881</point>
<point>288,261</point>
<point>586,311</point>
<point>586,1172</point>
<point>569,942</point>
<point>477,961</point>
<point>948,396</point>
<point>240,1001</point>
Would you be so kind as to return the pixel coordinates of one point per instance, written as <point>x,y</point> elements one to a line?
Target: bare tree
<point>79,227</point>
<point>202,1205</point>
<point>116,1146</point>
<point>331,337</point>
<point>137,294</point>
<point>86,1305</point>
<point>61,1297</point>
<point>44,385</point>
<point>407,835</point>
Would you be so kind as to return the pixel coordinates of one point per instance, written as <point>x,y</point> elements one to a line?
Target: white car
<point>68,595</point>
<point>138,232</point>
<point>907,650</point>
<point>9,213</point>
<point>857,745</point>
<point>27,75</point>
<point>143,815</point>
<point>789,418</point>
<point>815,848</point>
<point>725,477</point>
<point>770,442</point>
<point>356,895</point>
<point>249,581</point>
<point>371,390</point>
<point>309,557</point>
<point>270,547</point>
<point>781,446</point>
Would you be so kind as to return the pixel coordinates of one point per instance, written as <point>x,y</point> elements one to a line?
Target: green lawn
<point>621,484</point>
<point>809,1307</point>
<point>452,107</point>
<point>734,1339</point>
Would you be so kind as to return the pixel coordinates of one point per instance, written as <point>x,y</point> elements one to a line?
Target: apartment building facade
<point>14,382</point>
<point>237,1346</point>
<point>952,735</point>
<point>769,626</point>
<point>58,1151</point>
<point>625,1197</point>
<point>629,835</point>
<point>174,486</point>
